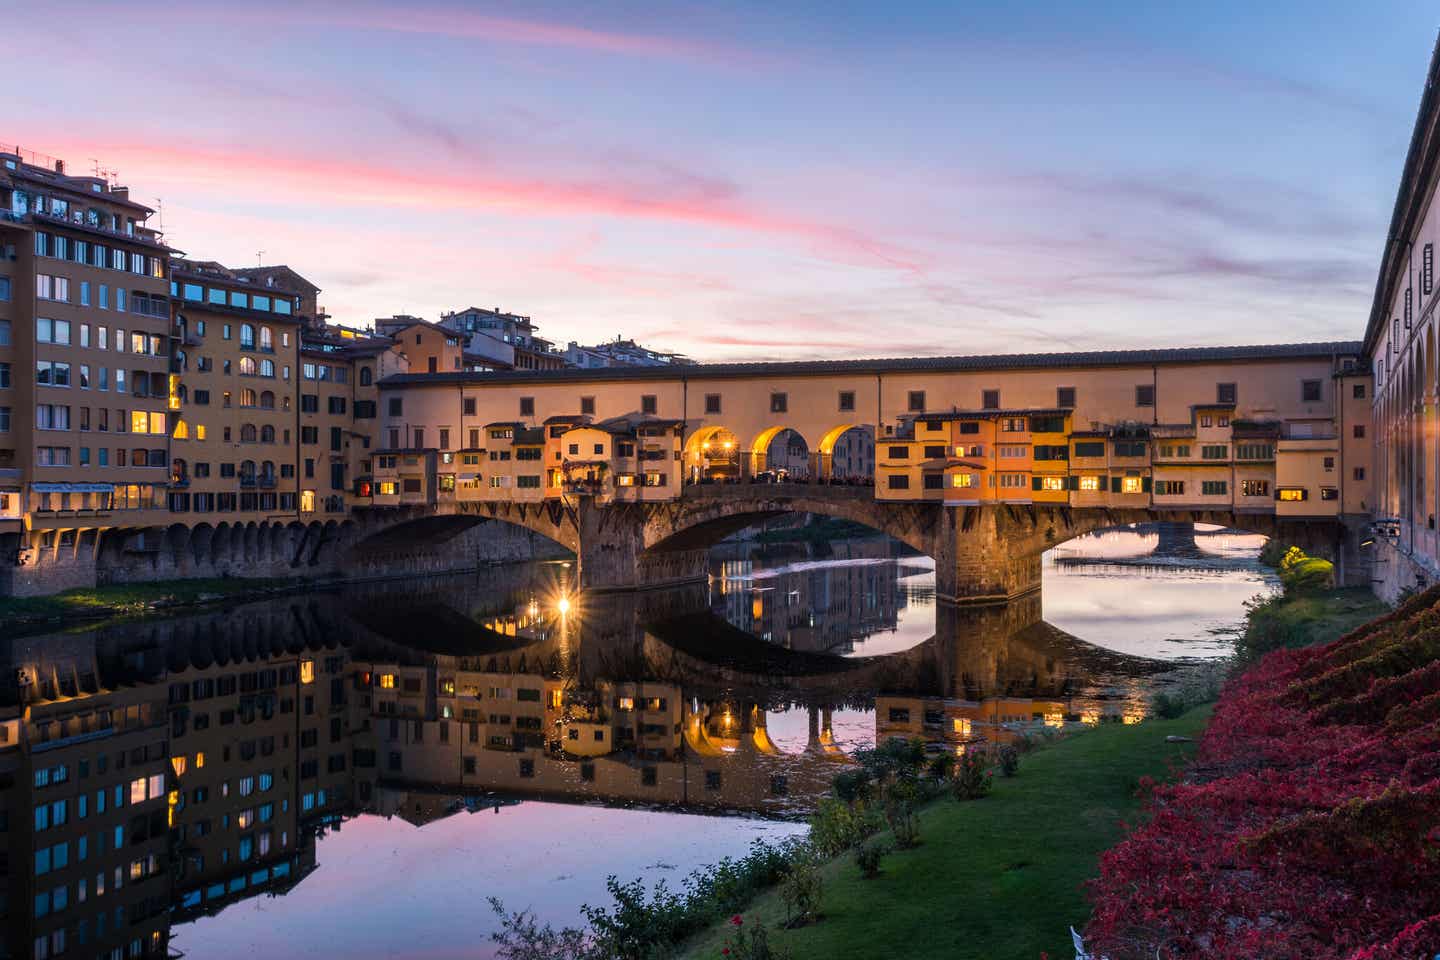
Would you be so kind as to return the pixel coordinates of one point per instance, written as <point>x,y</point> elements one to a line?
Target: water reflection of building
<point>158,772</point>
<point>817,607</point>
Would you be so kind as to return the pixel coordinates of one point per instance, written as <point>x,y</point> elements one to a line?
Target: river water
<point>354,773</point>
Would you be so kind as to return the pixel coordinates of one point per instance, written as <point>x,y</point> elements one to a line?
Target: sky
<point>761,181</point>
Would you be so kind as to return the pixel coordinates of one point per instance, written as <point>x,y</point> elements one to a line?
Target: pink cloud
<point>357,181</point>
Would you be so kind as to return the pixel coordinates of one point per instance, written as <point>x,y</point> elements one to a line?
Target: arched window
<point>247,397</point>
<point>267,368</point>
<point>267,339</point>
<point>365,376</point>
<point>247,469</point>
<point>177,470</point>
<point>267,434</point>
<point>247,336</point>
<point>267,470</point>
<point>247,433</point>
<point>247,366</point>
<point>267,400</point>
<point>182,360</point>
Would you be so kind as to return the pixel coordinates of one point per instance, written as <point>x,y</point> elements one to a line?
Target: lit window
<point>387,681</point>
<point>1090,484</point>
<point>1130,485</point>
<point>177,764</point>
<point>137,790</point>
<point>627,703</point>
<point>1291,494</point>
<point>307,671</point>
<point>963,480</point>
<point>1052,483</point>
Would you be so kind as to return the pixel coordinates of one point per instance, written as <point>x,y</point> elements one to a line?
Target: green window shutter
<point>1072,483</point>
<point>1145,484</point>
<point>1114,484</point>
<point>1034,482</point>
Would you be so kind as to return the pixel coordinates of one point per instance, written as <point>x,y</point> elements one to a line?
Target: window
<point>1052,483</point>
<point>712,403</point>
<point>527,406</point>
<point>1359,431</point>
<point>1065,396</point>
<point>1225,393</point>
<point>899,481</point>
<point>1214,451</point>
<point>1090,448</point>
<point>1129,448</point>
<point>1169,488</point>
<point>52,331</point>
<point>1145,395</point>
<point>916,401</point>
<point>990,399</point>
<point>1358,473</point>
<point>1090,484</point>
<point>396,406</point>
<point>1214,488</point>
<point>847,400</point>
<point>648,404</point>
<point>1292,494</point>
<point>587,406</point>
<point>1358,391</point>
<point>1427,269</point>
<point>1309,391</point>
<point>1254,488</point>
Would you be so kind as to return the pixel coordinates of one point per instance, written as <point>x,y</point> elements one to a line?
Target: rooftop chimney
<point>59,166</point>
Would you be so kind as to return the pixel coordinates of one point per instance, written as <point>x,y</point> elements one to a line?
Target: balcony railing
<point>247,481</point>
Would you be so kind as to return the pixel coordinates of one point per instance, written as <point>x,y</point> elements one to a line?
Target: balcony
<point>265,482</point>
<point>102,230</point>
<point>247,481</point>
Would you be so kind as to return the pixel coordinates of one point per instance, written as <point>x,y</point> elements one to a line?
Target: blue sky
<point>759,181</point>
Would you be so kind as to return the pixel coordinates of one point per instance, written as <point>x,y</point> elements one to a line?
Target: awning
<point>73,487</point>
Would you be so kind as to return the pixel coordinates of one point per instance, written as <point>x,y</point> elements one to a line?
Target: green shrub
<point>868,857</point>
<point>1168,706</point>
<point>941,765</point>
<point>904,824</point>
<point>836,826</point>
<point>1007,758</point>
<point>851,785</point>
<point>972,776</point>
<point>800,891</point>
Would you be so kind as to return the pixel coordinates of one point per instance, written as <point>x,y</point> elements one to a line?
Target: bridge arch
<point>712,454</point>
<point>704,519</point>
<point>840,438</point>
<point>764,457</point>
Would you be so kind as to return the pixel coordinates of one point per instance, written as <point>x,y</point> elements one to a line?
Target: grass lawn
<point>89,603</point>
<point>995,878</point>
<point>1307,620</point>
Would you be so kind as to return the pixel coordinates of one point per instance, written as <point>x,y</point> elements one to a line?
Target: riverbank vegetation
<point>133,599</point>
<point>1310,824</point>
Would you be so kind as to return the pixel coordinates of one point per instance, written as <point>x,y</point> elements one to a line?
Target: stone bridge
<point>983,554</point>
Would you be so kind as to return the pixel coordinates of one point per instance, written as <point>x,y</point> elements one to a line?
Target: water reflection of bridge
<point>427,698</point>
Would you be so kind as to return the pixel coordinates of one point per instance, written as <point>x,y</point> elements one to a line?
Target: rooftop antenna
<point>160,211</point>
<point>96,167</point>
<point>259,258</point>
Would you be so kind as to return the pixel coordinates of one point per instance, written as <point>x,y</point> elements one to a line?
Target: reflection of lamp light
<point>563,605</point>
<point>534,609</point>
<point>729,444</point>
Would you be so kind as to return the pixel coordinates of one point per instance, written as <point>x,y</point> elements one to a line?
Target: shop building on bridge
<point>1279,430</point>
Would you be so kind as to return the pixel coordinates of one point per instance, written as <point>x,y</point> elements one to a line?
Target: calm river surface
<point>353,773</point>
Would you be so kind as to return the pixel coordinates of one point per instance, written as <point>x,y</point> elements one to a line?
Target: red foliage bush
<point>1310,823</point>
